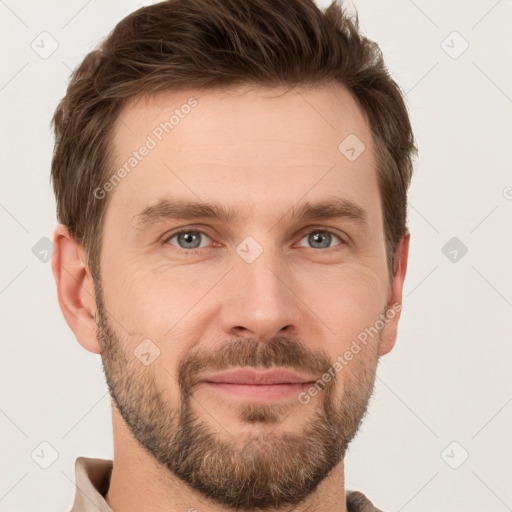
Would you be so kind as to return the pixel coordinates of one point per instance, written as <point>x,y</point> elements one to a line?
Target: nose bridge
<point>259,298</point>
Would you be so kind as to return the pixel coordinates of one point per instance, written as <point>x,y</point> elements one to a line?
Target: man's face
<point>262,289</point>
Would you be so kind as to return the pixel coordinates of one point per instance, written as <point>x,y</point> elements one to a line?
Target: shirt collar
<point>92,477</point>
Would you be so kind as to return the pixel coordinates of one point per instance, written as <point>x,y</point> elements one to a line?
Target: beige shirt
<point>93,478</point>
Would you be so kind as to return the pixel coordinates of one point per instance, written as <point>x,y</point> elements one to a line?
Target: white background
<point>448,378</point>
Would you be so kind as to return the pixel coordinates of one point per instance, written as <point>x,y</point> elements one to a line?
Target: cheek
<point>166,302</point>
<point>143,292</point>
<point>348,300</point>
<point>160,304</point>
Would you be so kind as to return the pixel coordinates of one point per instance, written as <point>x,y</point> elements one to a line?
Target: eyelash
<point>195,251</point>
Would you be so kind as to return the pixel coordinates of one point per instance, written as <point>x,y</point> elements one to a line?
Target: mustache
<point>244,352</point>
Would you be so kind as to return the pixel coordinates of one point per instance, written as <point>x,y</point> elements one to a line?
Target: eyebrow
<point>165,209</point>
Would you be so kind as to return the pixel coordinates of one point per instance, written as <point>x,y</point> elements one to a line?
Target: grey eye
<point>320,239</point>
<point>188,239</point>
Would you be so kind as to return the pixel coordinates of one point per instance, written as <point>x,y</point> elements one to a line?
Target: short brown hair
<point>180,44</point>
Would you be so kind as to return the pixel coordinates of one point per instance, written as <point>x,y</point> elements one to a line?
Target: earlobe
<point>387,345</point>
<point>390,331</point>
<point>75,288</point>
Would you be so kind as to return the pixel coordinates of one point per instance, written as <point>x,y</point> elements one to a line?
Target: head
<point>231,181</point>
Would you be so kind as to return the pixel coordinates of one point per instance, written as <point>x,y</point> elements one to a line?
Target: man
<point>231,182</point>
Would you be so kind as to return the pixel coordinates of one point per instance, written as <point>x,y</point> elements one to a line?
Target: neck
<point>140,482</point>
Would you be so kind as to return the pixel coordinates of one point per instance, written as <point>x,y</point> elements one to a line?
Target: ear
<point>75,288</point>
<point>390,330</point>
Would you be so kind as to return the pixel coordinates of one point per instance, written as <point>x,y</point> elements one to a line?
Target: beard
<point>269,470</point>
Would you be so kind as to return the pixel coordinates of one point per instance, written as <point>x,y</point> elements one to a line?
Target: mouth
<point>276,384</point>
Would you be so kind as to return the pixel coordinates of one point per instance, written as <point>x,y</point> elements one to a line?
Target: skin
<point>260,151</point>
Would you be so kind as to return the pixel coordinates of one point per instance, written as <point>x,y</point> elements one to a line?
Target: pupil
<point>189,238</point>
<point>319,238</point>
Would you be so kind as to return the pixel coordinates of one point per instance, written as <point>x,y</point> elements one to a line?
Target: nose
<point>259,301</point>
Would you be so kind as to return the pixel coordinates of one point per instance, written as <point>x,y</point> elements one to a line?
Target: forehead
<point>321,114</point>
<point>254,148</point>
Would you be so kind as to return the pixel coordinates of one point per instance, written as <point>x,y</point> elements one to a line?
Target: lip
<point>258,392</point>
<point>250,377</point>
